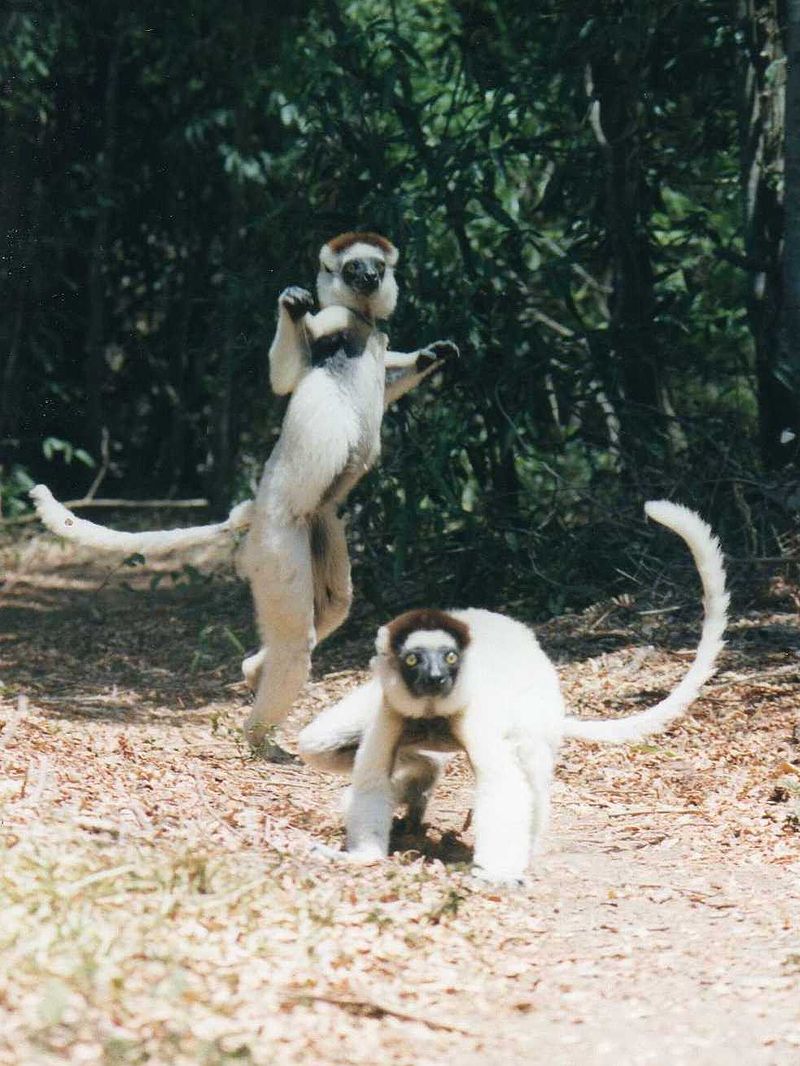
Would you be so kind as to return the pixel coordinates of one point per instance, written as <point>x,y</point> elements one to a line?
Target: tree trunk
<point>788,369</point>
<point>19,216</point>
<point>223,419</point>
<point>761,131</point>
<point>224,430</point>
<point>94,367</point>
<point>179,376</point>
<point>613,85</point>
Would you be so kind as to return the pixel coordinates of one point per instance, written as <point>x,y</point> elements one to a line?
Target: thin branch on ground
<point>13,720</point>
<point>112,504</point>
<point>781,671</point>
<point>377,1010</point>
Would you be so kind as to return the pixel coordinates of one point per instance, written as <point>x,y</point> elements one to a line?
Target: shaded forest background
<point>589,198</point>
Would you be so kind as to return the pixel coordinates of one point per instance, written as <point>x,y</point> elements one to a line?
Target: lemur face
<point>420,663</point>
<point>428,661</point>
<point>364,275</point>
<point>357,271</point>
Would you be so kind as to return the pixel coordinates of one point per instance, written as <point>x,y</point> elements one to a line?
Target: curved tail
<point>65,524</point>
<point>707,554</point>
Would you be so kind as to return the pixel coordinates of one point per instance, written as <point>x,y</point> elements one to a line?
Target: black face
<point>364,275</point>
<point>429,671</point>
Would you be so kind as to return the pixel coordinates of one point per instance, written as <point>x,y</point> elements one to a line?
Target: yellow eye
<point>451,657</point>
<point>411,659</point>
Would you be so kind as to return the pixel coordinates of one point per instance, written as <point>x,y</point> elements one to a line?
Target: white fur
<point>707,555</point>
<point>507,713</point>
<point>329,439</point>
<point>430,638</point>
<point>66,524</point>
<point>331,289</point>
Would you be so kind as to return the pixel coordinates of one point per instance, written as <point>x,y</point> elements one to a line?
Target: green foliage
<point>15,485</point>
<point>52,446</point>
<point>187,575</point>
<point>14,488</point>
<point>215,643</point>
<point>562,180</point>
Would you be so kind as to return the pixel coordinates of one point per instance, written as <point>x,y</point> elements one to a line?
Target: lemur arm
<point>326,742</point>
<point>288,354</point>
<point>405,370</point>
<point>371,804</point>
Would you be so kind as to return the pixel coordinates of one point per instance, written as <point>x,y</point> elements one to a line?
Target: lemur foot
<point>268,750</point>
<point>263,745</point>
<point>325,851</point>
<point>355,858</point>
<point>500,880</point>
<point>296,301</point>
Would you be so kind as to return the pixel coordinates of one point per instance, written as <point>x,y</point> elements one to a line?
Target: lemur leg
<point>330,562</point>
<point>371,802</point>
<point>281,581</point>
<point>413,781</point>
<point>405,370</point>
<point>251,668</point>
<point>540,772</point>
<point>503,806</point>
<point>327,559</point>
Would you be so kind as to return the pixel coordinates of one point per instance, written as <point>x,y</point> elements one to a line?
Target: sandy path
<point>161,903</point>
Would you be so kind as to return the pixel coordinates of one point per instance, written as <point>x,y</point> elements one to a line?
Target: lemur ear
<point>382,640</point>
<point>392,254</point>
<point>327,257</point>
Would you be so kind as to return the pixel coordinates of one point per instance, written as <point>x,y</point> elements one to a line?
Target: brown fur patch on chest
<point>434,731</point>
<point>348,343</point>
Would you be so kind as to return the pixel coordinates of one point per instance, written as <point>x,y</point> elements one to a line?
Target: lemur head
<point>418,661</point>
<point>356,270</point>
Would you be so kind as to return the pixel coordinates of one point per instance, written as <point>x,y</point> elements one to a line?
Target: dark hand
<point>296,301</point>
<point>438,352</point>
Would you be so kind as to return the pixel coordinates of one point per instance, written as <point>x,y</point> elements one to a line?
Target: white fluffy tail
<point>707,554</point>
<point>65,524</point>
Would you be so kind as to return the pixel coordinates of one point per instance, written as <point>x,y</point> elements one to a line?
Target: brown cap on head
<point>345,240</point>
<point>425,618</point>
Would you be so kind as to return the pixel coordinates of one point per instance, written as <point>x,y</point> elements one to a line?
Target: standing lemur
<point>477,681</point>
<point>341,377</point>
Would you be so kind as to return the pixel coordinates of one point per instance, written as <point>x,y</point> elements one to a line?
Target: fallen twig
<point>40,774</point>
<point>234,896</point>
<point>105,462</point>
<point>781,671</point>
<point>637,811</point>
<point>99,875</point>
<point>13,720</point>
<point>748,559</point>
<point>97,825</point>
<point>204,803</point>
<point>109,504</point>
<point>377,1010</point>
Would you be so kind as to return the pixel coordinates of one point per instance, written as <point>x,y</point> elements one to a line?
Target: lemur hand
<point>296,302</point>
<point>438,352</point>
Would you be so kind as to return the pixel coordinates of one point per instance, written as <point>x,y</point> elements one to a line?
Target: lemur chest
<point>347,366</point>
<point>351,360</point>
<point>430,734</point>
<point>335,350</point>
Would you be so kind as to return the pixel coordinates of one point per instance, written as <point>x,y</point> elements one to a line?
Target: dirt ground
<point>160,902</point>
